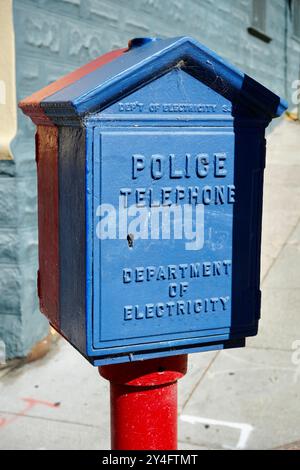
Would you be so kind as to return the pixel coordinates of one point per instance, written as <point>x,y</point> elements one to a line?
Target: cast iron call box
<point>150,177</point>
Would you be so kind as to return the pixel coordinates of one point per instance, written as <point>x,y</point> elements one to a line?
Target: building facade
<point>45,39</point>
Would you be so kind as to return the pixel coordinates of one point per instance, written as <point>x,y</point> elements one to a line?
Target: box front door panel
<point>163,213</point>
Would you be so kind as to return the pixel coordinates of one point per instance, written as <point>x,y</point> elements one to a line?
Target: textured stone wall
<point>55,36</point>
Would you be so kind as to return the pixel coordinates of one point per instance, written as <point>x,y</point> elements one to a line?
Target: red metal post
<point>144,403</point>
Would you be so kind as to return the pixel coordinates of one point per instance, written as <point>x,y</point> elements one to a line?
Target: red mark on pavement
<point>31,403</point>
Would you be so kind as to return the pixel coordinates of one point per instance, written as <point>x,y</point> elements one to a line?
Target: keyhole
<point>130,238</point>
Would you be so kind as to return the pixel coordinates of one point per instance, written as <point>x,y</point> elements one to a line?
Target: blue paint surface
<point>121,322</point>
<point>115,259</point>
<point>173,141</point>
<point>140,64</point>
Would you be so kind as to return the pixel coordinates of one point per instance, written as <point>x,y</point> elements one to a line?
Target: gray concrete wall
<point>54,37</point>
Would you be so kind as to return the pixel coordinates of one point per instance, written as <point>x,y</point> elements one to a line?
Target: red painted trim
<point>47,171</point>
<point>31,104</point>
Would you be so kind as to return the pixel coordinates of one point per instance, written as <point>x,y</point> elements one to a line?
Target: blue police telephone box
<point>160,155</point>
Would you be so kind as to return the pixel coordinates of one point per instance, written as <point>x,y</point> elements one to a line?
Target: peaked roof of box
<point>103,81</point>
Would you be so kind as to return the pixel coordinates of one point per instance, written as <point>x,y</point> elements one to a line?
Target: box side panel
<point>250,153</point>
<point>47,171</point>
<point>72,235</point>
<point>89,178</point>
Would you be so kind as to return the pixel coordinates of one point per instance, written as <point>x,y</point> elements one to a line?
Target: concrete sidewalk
<point>235,399</point>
